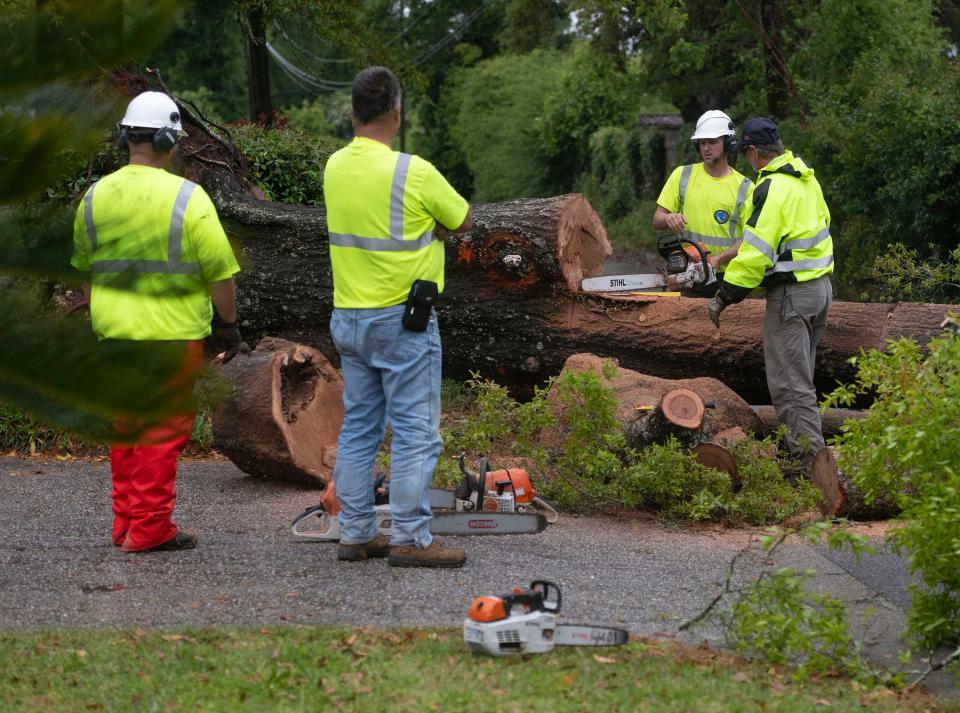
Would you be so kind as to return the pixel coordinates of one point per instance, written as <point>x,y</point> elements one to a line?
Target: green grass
<point>394,670</point>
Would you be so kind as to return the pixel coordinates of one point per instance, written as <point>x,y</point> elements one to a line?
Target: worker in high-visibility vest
<point>786,248</point>
<point>156,254</point>
<point>387,216</point>
<point>704,201</point>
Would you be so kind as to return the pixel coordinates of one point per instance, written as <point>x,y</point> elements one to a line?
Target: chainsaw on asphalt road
<point>687,268</point>
<point>525,622</point>
<point>499,502</point>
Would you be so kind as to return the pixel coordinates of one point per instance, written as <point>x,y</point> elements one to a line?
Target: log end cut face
<point>283,417</point>
<point>582,241</point>
<point>824,475</point>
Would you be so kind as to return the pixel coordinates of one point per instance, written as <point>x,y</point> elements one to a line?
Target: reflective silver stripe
<point>741,199</point>
<point>708,239</point>
<point>174,264</point>
<point>795,265</point>
<point>684,180</point>
<point>755,241</point>
<point>175,241</point>
<point>88,217</point>
<point>397,188</point>
<point>346,240</point>
<point>804,243</point>
<point>146,266</point>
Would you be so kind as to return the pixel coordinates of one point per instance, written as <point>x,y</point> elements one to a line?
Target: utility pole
<point>258,67</point>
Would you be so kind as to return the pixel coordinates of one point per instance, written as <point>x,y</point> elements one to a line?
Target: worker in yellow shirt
<point>387,216</point>
<point>704,202</point>
<point>156,254</point>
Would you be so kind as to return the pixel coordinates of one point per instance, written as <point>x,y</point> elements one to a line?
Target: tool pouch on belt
<point>416,314</point>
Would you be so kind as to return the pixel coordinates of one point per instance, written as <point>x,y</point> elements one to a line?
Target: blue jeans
<point>390,375</point>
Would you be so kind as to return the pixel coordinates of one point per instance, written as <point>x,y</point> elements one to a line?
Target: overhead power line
<point>301,76</point>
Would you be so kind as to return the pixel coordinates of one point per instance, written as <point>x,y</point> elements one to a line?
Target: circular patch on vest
<point>721,216</point>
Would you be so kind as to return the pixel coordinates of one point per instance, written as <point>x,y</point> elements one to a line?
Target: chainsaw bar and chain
<point>586,635</point>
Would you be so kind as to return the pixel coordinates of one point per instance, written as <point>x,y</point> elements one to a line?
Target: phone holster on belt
<point>416,313</point>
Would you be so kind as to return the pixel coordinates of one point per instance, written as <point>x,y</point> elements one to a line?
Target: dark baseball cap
<point>759,131</point>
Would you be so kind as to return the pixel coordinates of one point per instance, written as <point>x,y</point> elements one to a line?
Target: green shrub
<point>907,447</point>
<point>667,480</point>
<point>288,165</point>
<point>900,275</point>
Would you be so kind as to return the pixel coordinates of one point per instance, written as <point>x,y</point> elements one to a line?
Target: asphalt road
<point>58,567</point>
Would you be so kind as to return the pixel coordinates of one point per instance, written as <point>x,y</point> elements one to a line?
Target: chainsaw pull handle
<point>546,588</point>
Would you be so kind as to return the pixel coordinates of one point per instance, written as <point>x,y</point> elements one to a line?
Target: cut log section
<point>839,496</point>
<point>716,456</point>
<point>678,414</point>
<point>284,414</point>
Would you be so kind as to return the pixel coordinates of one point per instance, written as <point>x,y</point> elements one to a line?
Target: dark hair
<point>376,90</point>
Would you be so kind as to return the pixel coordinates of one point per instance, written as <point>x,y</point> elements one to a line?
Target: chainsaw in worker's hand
<point>686,269</point>
<point>525,622</point>
<point>500,502</point>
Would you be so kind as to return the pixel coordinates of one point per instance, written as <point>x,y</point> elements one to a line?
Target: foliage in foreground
<point>909,445</point>
<point>775,618</point>
<point>588,464</point>
<point>397,670</point>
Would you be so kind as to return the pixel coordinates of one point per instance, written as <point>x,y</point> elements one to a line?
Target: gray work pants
<point>795,319</point>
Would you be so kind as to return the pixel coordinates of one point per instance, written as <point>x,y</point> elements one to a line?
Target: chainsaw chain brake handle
<point>542,596</point>
<point>472,483</point>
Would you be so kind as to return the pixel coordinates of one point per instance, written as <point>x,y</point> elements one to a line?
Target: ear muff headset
<point>730,143</point>
<point>163,139</point>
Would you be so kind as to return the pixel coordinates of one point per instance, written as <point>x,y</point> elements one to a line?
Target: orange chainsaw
<point>501,502</point>
<point>525,622</point>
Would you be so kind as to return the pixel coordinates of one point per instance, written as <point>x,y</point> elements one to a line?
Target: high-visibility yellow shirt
<point>382,208</point>
<point>153,244</point>
<point>787,234</point>
<point>712,206</point>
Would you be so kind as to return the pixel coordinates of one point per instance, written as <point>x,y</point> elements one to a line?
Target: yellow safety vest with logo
<point>713,207</point>
<point>787,235</point>
<point>382,208</point>
<point>153,244</point>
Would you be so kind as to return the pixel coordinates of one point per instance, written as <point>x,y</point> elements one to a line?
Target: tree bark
<point>831,420</point>
<point>512,309</point>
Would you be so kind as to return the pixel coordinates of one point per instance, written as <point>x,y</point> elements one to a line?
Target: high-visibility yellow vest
<point>153,244</point>
<point>787,235</point>
<point>382,208</point>
<point>713,207</point>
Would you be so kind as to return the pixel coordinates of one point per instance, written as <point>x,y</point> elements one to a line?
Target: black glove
<point>717,305</point>
<point>227,338</point>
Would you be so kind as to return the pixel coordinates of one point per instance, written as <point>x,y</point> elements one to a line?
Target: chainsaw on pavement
<point>525,622</point>
<point>687,268</point>
<point>499,502</point>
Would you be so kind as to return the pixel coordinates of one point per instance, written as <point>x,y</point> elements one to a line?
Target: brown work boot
<point>379,546</point>
<point>436,555</point>
<point>183,540</point>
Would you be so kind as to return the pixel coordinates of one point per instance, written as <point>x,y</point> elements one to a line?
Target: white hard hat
<point>152,110</point>
<point>712,125</point>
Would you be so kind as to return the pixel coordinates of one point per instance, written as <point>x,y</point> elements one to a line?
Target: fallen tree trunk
<point>679,414</point>
<point>831,420</point>
<point>512,309</point>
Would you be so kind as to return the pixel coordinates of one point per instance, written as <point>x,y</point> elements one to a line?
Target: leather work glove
<point>717,305</point>
<point>227,337</point>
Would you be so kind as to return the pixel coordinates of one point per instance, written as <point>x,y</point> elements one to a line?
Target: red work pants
<point>143,471</point>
